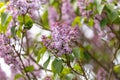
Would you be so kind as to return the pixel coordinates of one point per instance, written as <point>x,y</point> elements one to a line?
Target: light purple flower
<point>62,37</point>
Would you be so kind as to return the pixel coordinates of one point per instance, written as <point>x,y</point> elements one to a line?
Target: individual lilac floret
<point>63,39</point>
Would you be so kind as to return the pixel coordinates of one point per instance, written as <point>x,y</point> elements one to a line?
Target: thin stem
<point>21,62</point>
<point>68,64</point>
<point>114,56</point>
<point>82,69</point>
<point>94,59</point>
<point>27,42</point>
<point>40,67</point>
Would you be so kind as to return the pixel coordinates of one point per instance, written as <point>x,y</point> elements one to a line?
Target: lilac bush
<point>82,33</point>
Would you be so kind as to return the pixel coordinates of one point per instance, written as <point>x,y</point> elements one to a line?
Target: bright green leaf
<point>100,8</point>
<point>65,71</point>
<point>29,68</point>
<point>116,68</point>
<point>45,20</point>
<point>18,76</point>
<point>110,6</point>
<point>78,68</point>
<point>98,2</point>
<point>40,53</point>
<point>91,22</point>
<point>4,17</point>
<point>76,21</point>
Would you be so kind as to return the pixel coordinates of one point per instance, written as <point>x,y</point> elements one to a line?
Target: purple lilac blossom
<point>52,15</point>
<point>82,7</point>
<point>63,37</point>
<point>68,13</point>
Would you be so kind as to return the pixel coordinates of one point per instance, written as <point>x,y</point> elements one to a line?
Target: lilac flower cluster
<point>22,7</point>
<point>82,7</point>
<point>68,13</point>
<point>52,16</point>
<point>63,38</point>
<point>12,58</point>
<point>6,51</point>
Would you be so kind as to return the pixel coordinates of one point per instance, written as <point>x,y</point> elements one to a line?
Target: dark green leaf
<point>113,15</point>
<point>45,65</point>
<point>29,68</point>
<point>103,22</point>
<point>76,52</point>
<point>13,31</point>
<point>57,66</point>
<point>28,25</point>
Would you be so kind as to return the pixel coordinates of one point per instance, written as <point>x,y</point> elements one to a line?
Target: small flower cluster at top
<point>22,7</point>
<point>63,39</point>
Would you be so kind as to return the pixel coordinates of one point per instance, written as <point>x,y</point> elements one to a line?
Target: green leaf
<point>103,22</point>
<point>100,8</point>
<point>25,20</point>
<point>13,31</point>
<point>57,66</point>
<point>45,20</point>
<point>18,33</point>
<point>4,17</point>
<point>40,53</point>
<point>29,68</point>
<point>76,52</point>
<point>78,68</point>
<point>91,22</point>
<point>116,70</point>
<point>98,2</point>
<point>28,25</point>
<point>45,65</point>
<point>112,15</point>
<point>76,21</point>
<point>110,6</point>
<point>18,76</point>
<point>65,71</point>
<point>69,77</point>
